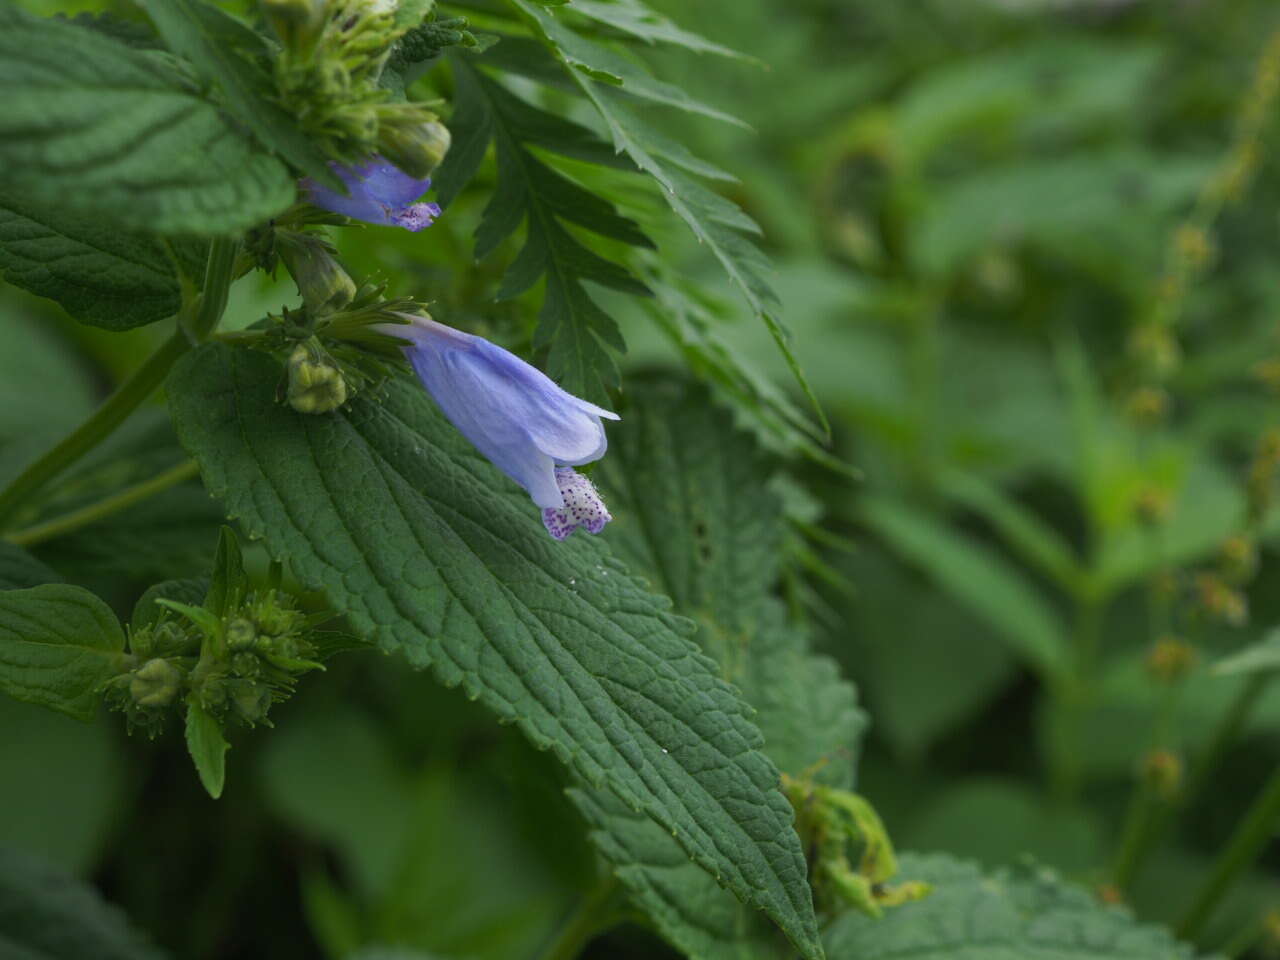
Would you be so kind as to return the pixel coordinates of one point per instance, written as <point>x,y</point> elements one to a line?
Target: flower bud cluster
<point>251,660</point>
<point>327,75</point>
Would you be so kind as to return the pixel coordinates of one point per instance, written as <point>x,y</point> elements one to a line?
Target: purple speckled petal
<point>379,192</point>
<point>582,506</point>
<point>416,216</point>
<point>510,411</point>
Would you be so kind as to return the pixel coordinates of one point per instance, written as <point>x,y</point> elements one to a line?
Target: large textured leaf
<point>693,512</point>
<point>57,644</point>
<point>227,53</point>
<point>428,549</point>
<point>717,223</point>
<point>97,273</point>
<point>95,127</point>
<point>1020,914</point>
<point>577,331</point>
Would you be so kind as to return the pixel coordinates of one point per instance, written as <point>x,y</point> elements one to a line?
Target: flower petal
<point>452,380</point>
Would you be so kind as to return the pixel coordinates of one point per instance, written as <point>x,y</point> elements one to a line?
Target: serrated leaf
<point>717,223</point>
<point>578,333</point>
<point>978,578</point>
<point>19,569</point>
<point>693,511</point>
<point>103,130</point>
<point>208,748</point>
<point>47,915</point>
<point>99,274</point>
<point>1024,913</point>
<point>602,63</point>
<point>691,912</point>
<point>58,643</point>
<point>227,53</point>
<point>634,18</point>
<point>427,549</point>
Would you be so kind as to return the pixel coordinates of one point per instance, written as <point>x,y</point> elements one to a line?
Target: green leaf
<point>634,18</point>
<point>717,223</point>
<point>957,818</point>
<point>208,748</point>
<point>428,549</point>
<point>579,333</point>
<point>1258,657</point>
<point>1025,532</point>
<point>47,915</point>
<point>148,609</point>
<point>978,578</point>
<point>58,643</point>
<point>228,584</point>
<point>905,640</point>
<point>92,126</point>
<point>693,511</point>
<point>99,274</point>
<point>208,623</point>
<point>19,569</point>
<point>691,912</point>
<point>227,53</point>
<point>1024,913</point>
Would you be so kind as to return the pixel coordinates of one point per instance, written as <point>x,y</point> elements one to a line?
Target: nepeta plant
<point>372,452</point>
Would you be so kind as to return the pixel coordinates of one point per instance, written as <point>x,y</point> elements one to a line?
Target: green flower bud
<point>155,684</point>
<point>246,665</point>
<point>416,148</point>
<point>324,285</point>
<point>316,385</point>
<point>241,634</point>
<point>275,615</point>
<point>251,701</point>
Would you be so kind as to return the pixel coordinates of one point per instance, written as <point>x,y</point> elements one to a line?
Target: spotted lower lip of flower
<point>515,415</point>
<point>583,506</point>
<point>379,193</point>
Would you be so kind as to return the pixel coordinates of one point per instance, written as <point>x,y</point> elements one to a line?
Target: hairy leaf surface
<point>95,127</point>
<point>1019,914</point>
<point>100,275</point>
<point>227,53</point>
<point>693,512</point>
<point>427,549</point>
<point>57,644</point>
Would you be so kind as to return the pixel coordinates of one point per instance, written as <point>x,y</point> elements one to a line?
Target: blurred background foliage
<point>1028,254</point>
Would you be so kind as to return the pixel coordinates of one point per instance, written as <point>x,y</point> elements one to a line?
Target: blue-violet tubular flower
<point>380,193</point>
<point>514,414</point>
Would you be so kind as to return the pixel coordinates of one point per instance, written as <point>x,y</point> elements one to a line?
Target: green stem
<point>130,395</point>
<point>94,512</point>
<point>1224,735</point>
<point>1254,832</point>
<point>597,912</point>
<point>1138,823</point>
<point>1227,731</point>
<point>1073,696</point>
